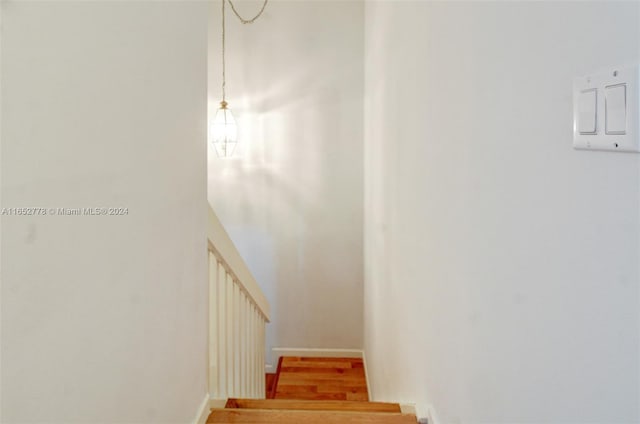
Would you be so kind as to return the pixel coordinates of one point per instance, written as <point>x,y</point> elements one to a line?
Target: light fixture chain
<point>243,20</point>
<point>224,79</point>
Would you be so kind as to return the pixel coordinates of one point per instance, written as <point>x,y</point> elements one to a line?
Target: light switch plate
<point>600,140</point>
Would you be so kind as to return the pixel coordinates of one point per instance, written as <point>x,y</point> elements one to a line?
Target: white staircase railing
<point>238,313</point>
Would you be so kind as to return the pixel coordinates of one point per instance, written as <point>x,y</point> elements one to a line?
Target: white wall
<point>104,318</point>
<point>502,266</point>
<point>292,198</point>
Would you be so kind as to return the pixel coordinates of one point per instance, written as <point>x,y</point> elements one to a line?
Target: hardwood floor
<point>321,379</point>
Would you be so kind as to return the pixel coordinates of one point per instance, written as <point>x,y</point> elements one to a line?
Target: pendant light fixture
<point>223,131</point>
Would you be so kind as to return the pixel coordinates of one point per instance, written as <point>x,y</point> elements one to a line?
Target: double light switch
<point>606,112</point>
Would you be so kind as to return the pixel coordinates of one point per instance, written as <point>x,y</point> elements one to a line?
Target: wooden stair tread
<point>261,416</point>
<point>314,405</point>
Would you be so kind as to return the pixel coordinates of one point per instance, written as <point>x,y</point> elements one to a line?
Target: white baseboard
<point>426,413</point>
<point>203,411</point>
<point>408,408</point>
<point>432,416</point>
<point>366,375</point>
<point>278,352</point>
<point>217,403</point>
<point>423,413</point>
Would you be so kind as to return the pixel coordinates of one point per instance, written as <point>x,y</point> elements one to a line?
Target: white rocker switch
<point>606,110</point>
<point>587,111</point>
<point>616,109</point>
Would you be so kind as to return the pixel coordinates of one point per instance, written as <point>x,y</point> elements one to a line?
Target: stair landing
<point>321,379</point>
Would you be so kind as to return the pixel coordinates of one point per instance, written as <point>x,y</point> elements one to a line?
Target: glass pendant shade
<point>224,131</point>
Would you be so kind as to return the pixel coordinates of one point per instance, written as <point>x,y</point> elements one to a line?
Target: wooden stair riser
<point>313,405</point>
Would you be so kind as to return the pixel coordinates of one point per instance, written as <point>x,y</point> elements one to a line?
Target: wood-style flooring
<point>321,379</point>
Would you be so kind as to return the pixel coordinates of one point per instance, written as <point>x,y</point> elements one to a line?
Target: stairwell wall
<point>104,318</point>
<point>501,265</point>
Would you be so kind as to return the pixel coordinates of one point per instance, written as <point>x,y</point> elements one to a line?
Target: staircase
<point>304,390</point>
<point>303,394</point>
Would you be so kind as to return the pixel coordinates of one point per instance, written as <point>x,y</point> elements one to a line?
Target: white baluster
<point>243,351</point>
<point>247,359</point>
<point>230,308</point>
<point>252,352</point>
<point>238,343</point>
<point>213,325</point>
<point>258,348</point>
<point>245,348</point>
<point>222,331</point>
<point>256,357</point>
<point>259,353</point>
<point>261,364</point>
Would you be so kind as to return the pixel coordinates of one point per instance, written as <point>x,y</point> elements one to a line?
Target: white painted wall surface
<point>292,198</point>
<point>104,319</point>
<point>502,266</point>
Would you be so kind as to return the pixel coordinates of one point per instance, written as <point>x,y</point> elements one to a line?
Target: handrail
<point>220,245</point>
